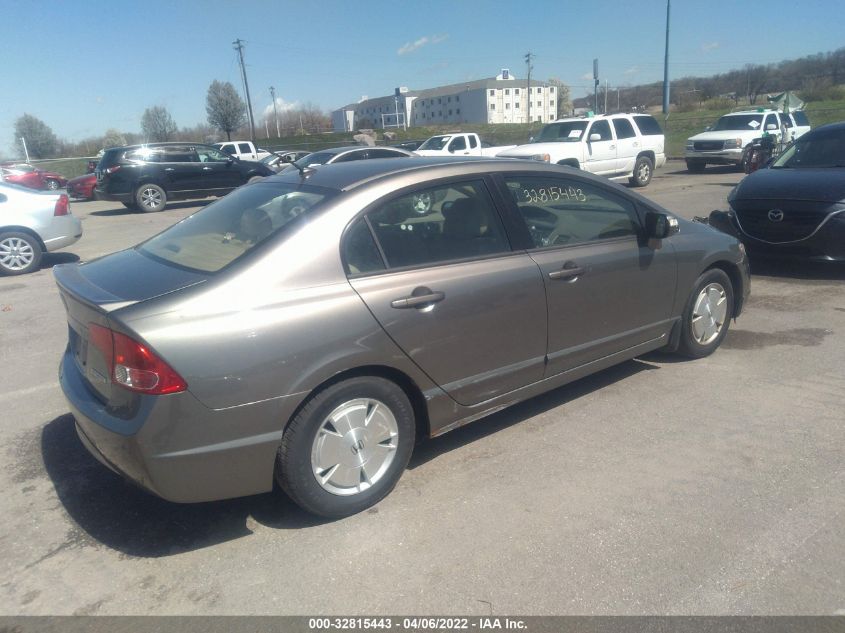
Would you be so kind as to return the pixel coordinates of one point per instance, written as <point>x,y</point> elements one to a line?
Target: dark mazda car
<point>310,327</point>
<point>145,177</point>
<point>796,207</point>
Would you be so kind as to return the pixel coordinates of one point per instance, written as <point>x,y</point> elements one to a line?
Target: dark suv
<point>145,177</point>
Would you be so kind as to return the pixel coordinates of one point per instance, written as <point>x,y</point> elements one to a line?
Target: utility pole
<point>595,85</point>
<point>528,57</point>
<point>666,67</point>
<point>238,45</point>
<point>275,112</point>
<point>25,150</point>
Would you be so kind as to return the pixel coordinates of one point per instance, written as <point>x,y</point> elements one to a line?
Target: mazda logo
<point>776,215</point>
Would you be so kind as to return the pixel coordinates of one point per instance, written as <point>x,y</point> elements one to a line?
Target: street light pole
<point>666,66</point>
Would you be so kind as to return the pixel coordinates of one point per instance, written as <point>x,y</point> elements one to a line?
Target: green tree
<point>157,124</point>
<point>40,140</point>
<point>225,108</point>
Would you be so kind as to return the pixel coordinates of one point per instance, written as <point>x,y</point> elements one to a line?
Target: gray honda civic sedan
<point>308,328</point>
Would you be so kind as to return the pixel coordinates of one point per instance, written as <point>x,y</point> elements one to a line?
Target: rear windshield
<point>317,158</point>
<point>224,231</point>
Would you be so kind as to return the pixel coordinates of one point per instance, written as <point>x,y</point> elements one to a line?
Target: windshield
<point>435,143</point>
<point>317,158</point>
<point>224,231</point>
<point>564,132</point>
<point>819,150</point>
<point>739,122</point>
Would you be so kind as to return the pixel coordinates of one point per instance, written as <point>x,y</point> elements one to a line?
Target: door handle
<point>613,147</point>
<point>417,301</point>
<point>567,272</point>
<point>206,168</point>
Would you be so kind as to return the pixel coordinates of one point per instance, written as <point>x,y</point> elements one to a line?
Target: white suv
<point>728,142</point>
<point>618,146</point>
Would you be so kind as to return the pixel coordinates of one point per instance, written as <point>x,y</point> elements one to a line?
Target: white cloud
<point>633,70</point>
<point>281,106</point>
<point>709,46</point>
<point>410,47</point>
<point>586,76</point>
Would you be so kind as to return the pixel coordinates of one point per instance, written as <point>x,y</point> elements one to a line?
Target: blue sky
<point>85,66</point>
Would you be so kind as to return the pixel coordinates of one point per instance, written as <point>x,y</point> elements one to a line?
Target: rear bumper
<point>175,447</point>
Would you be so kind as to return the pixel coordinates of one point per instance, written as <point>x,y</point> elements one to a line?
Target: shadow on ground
<point>171,206</point>
<point>54,259</point>
<point>120,516</point>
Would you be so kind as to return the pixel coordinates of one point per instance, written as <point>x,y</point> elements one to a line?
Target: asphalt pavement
<point>660,486</point>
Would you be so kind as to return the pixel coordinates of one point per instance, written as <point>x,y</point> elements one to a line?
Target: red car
<point>82,187</point>
<point>32,177</point>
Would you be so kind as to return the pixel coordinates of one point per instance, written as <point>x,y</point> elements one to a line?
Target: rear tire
<point>643,170</point>
<point>150,198</point>
<point>51,184</point>
<point>347,447</point>
<point>20,253</point>
<point>695,166</point>
<point>707,314</point>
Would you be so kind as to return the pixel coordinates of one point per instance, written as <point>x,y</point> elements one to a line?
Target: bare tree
<point>756,78</point>
<point>564,97</point>
<point>225,108</point>
<point>113,138</point>
<point>157,124</point>
<point>40,140</point>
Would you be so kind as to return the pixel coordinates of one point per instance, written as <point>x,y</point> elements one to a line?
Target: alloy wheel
<point>709,313</point>
<point>16,253</point>
<point>150,198</point>
<point>354,446</point>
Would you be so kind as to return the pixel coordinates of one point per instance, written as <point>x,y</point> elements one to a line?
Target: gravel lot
<point>657,487</point>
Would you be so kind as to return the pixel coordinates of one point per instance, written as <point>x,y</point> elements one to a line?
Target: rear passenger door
<point>435,267</point>
<point>627,145</point>
<point>182,169</point>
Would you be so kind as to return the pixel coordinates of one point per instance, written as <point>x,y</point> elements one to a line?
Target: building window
<point>440,113</point>
<point>552,89</point>
<point>507,91</point>
<point>450,113</point>
<point>507,106</point>
<point>457,97</point>
<point>439,100</point>
<point>492,93</point>
<point>449,99</point>
<point>458,111</point>
<point>492,106</point>
<point>516,105</point>
<point>551,104</point>
<point>539,104</point>
<point>516,91</point>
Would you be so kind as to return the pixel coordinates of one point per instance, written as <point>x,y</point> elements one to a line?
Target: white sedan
<point>32,223</point>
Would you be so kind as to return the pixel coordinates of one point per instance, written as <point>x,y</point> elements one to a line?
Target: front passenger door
<point>601,153</point>
<point>607,290</point>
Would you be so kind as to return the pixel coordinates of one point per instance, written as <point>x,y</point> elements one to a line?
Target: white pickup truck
<point>459,144</point>
<point>244,150</point>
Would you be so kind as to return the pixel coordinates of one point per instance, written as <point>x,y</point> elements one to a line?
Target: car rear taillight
<point>62,205</point>
<point>132,365</point>
<point>112,169</point>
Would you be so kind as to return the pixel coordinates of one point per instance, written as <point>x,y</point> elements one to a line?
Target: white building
<point>503,99</point>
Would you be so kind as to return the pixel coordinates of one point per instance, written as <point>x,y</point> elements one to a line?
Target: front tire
<point>643,170</point>
<point>707,314</point>
<point>150,198</point>
<point>20,253</point>
<point>51,184</point>
<point>347,447</point>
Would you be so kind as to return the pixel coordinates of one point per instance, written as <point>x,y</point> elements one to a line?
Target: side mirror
<point>659,226</point>
<point>595,137</point>
<point>530,139</point>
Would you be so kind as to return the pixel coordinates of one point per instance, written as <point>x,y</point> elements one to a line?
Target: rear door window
<point>448,222</point>
<point>459,143</point>
<point>623,128</point>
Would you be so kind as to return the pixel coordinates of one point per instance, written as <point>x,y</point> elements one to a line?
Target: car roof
<point>350,148</point>
<point>348,176</point>
<point>124,148</point>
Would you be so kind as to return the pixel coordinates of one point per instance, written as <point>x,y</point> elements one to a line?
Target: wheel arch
<point>23,229</point>
<point>570,162</point>
<point>648,154</point>
<point>400,378</point>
